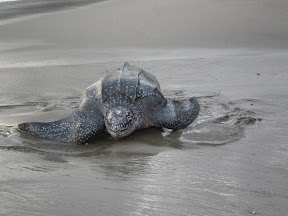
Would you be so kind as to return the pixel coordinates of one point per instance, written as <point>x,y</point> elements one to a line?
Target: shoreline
<point>156,24</point>
<point>11,11</point>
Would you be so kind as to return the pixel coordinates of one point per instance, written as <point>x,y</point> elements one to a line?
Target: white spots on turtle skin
<point>93,91</point>
<point>177,114</point>
<point>121,121</point>
<point>76,128</point>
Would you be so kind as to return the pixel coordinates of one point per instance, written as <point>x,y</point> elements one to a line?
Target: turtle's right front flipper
<point>76,128</point>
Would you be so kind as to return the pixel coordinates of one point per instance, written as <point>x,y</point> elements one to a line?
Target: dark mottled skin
<point>121,102</point>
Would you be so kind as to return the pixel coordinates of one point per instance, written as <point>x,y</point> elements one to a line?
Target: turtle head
<point>120,121</point>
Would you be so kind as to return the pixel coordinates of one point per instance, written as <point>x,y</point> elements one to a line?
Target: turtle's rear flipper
<point>176,114</point>
<point>76,128</point>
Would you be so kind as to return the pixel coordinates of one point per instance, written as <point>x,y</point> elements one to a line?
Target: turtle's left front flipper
<point>174,114</point>
<point>76,128</point>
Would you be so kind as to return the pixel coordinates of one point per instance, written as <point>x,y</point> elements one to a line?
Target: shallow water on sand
<point>215,166</point>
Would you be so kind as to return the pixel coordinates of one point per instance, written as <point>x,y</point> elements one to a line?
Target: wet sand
<point>231,161</point>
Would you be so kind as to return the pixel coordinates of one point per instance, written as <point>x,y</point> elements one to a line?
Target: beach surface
<point>232,160</point>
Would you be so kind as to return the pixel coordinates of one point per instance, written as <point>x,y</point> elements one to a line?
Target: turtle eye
<point>110,116</point>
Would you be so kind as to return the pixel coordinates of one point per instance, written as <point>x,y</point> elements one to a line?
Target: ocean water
<point>18,8</point>
<point>8,0</point>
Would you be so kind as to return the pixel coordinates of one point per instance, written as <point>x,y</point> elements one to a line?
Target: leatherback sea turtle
<point>121,102</point>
